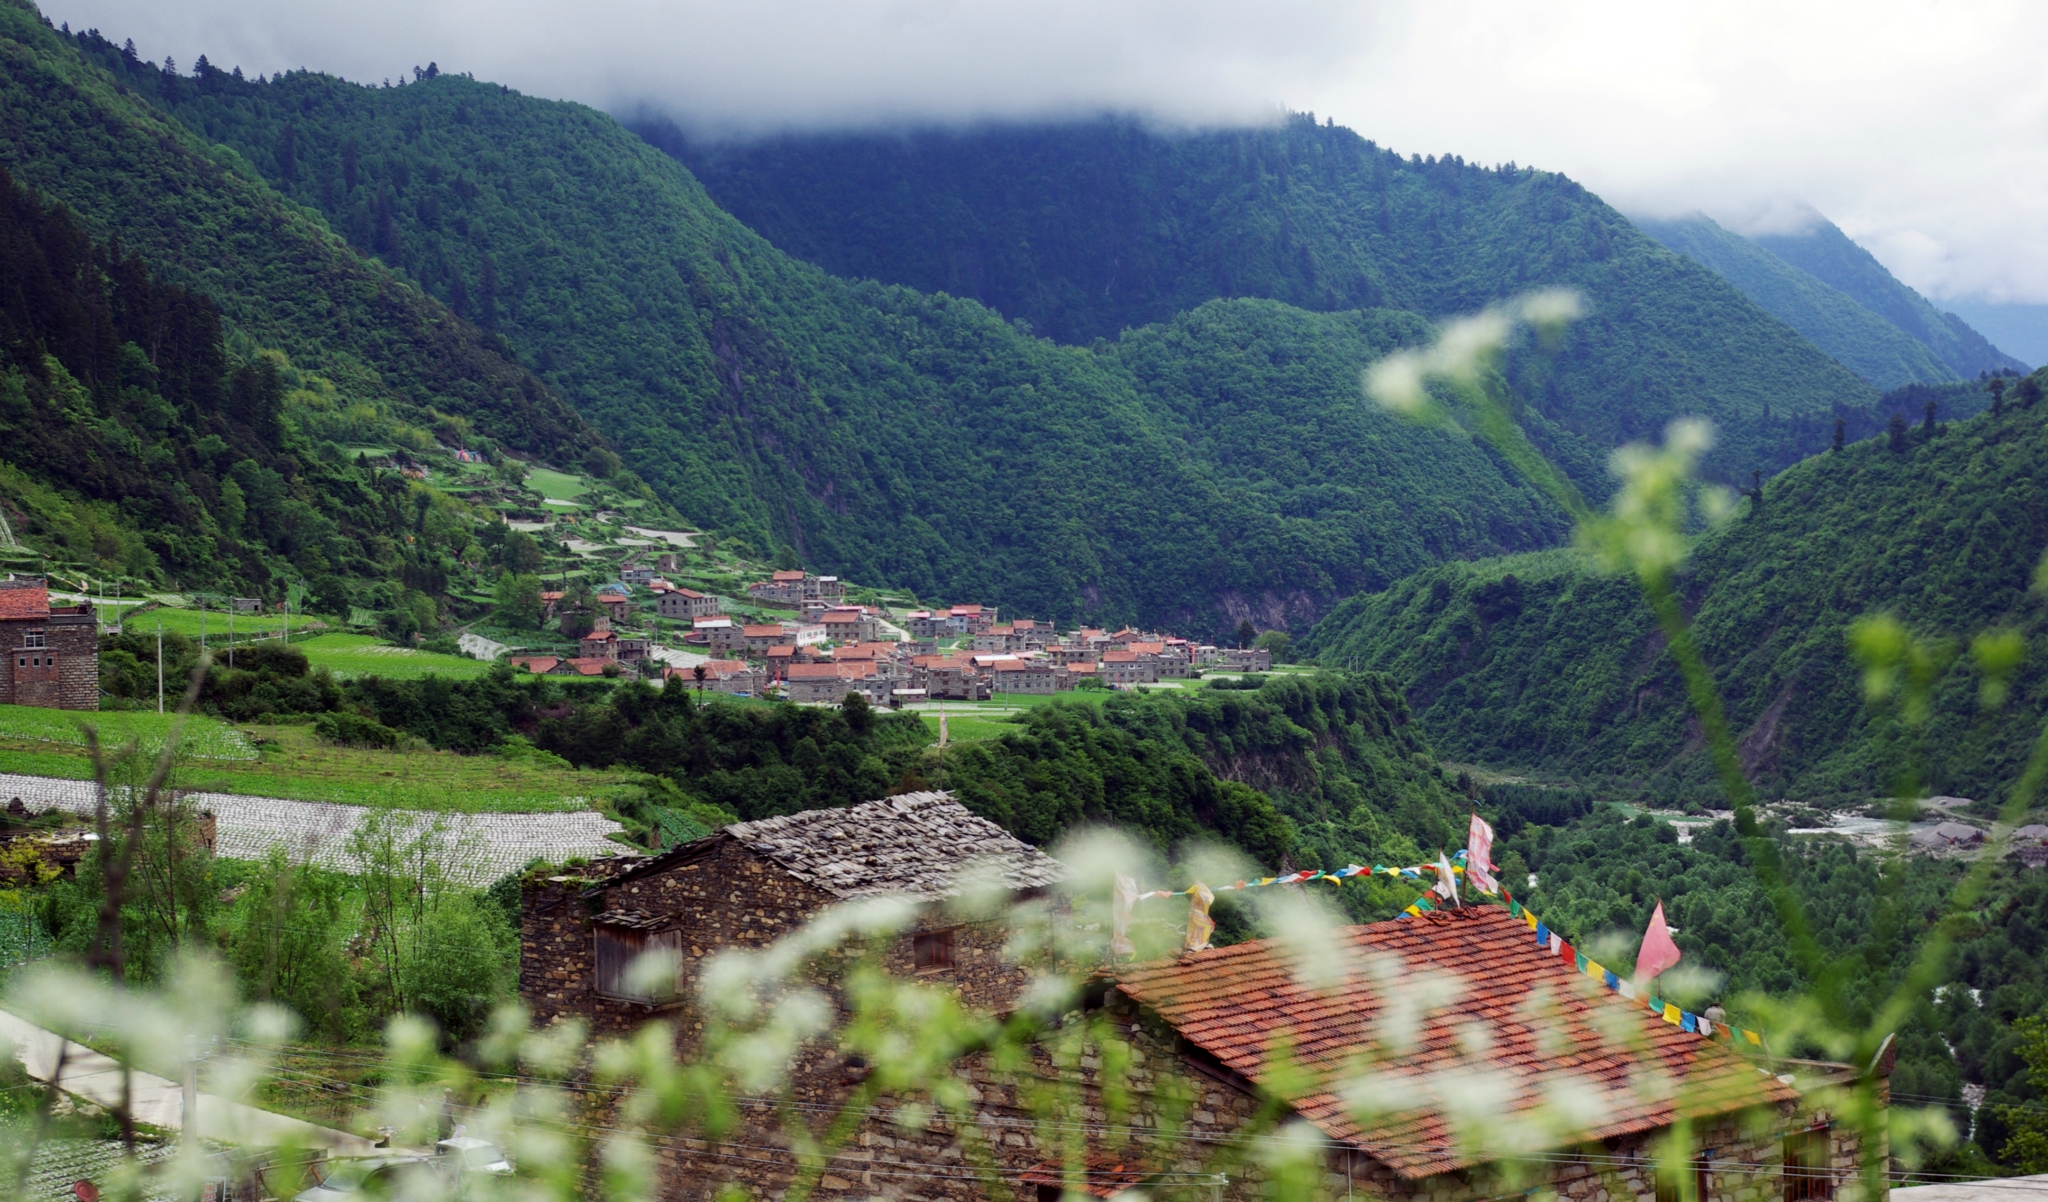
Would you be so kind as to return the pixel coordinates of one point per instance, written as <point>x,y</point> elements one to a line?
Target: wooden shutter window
<point>932,951</point>
<point>617,947</point>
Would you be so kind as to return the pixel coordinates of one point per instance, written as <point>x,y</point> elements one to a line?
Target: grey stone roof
<point>920,844</point>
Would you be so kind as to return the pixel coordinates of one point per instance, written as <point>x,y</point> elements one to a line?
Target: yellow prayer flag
<point>1671,1015</point>
<point>1594,970</point>
<point>1754,1038</point>
<point>1528,918</point>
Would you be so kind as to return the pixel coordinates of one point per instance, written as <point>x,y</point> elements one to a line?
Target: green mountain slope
<point>1859,339</point>
<point>1826,253</point>
<point>882,433</point>
<point>1087,229</point>
<point>75,134</point>
<point>1536,661</point>
<point>131,446</point>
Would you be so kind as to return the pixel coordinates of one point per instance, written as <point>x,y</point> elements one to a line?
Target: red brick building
<point>52,654</point>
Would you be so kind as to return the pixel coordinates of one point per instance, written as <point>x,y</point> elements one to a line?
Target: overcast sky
<point>1921,128</point>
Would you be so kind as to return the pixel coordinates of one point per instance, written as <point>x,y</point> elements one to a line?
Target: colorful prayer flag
<point>1479,856</point>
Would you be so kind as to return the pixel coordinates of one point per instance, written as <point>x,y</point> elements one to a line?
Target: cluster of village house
<point>1472,1002</point>
<point>833,648</point>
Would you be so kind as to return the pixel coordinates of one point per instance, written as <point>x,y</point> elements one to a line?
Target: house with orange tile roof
<point>52,652</point>
<point>539,665</point>
<point>1403,1032</point>
<point>1123,669</point>
<point>1448,1057</point>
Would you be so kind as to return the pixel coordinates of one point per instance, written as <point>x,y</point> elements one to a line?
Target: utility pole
<point>159,664</point>
<point>231,634</point>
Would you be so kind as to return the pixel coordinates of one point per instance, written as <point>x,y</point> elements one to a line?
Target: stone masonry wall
<point>732,898</point>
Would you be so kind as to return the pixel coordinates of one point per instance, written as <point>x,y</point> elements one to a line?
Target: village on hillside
<point>797,636</point>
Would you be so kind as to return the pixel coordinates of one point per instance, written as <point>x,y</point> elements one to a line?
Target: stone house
<point>1029,676</point>
<point>600,643</point>
<point>828,683</point>
<point>795,588</point>
<point>1448,1003</point>
<point>639,573</point>
<point>1122,669</point>
<point>753,882</point>
<point>720,634</point>
<point>924,624</point>
<point>849,625</point>
<point>53,654</point>
<point>733,677</point>
<point>949,678</point>
<point>1246,659</point>
<point>688,603</point>
<point>756,640</point>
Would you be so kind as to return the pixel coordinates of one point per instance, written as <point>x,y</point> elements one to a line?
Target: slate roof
<point>915,844</point>
<point>1236,1002</point>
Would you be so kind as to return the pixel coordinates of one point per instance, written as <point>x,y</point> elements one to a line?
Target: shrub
<point>353,730</point>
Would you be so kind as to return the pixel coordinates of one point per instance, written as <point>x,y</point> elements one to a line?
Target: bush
<point>353,730</point>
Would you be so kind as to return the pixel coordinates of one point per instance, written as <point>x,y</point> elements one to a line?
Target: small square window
<point>33,638</point>
<point>932,951</point>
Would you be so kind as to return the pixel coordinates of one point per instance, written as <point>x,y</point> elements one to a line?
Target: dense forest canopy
<point>1085,229</point>
<point>1539,661</point>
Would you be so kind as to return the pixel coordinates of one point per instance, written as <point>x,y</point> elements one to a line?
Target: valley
<point>453,524</point>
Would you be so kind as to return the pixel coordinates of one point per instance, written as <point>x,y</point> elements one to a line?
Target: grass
<point>556,486</point>
<point>290,762</point>
<point>361,655</point>
<point>187,623</point>
<point>205,738</point>
<point>968,728</point>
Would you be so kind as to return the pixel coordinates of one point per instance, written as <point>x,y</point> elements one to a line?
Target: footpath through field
<point>480,847</point>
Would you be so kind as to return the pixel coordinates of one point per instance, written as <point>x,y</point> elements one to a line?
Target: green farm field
<point>361,655</point>
<point>288,761</point>
<point>204,738</point>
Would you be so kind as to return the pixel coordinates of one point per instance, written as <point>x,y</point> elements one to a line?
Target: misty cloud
<point>1919,128</point>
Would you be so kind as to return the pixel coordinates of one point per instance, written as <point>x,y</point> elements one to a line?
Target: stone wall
<point>731,898</point>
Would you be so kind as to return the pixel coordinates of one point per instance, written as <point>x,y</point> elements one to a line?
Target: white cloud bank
<point>1919,127</point>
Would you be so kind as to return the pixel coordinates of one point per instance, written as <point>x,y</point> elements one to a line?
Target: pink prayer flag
<point>1658,951</point>
<point>1479,863</point>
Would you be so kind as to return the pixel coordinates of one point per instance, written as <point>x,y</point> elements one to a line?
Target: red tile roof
<point>1540,1028</point>
<point>588,666</point>
<point>763,632</point>
<point>1119,657</point>
<point>788,577</point>
<point>25,601</point>
<point>539,665</point>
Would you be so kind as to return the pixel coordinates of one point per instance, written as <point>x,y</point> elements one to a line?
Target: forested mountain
<point>196,212</point>
<point>1859,339</point>
<point>1220,466</point>
<point>1537,661</point>
<point>129,441</point>
<point>1826,253</point>
<point>1089,228</point>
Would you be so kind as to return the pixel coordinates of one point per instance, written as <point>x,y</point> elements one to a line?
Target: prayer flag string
<point>1547,940</point>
